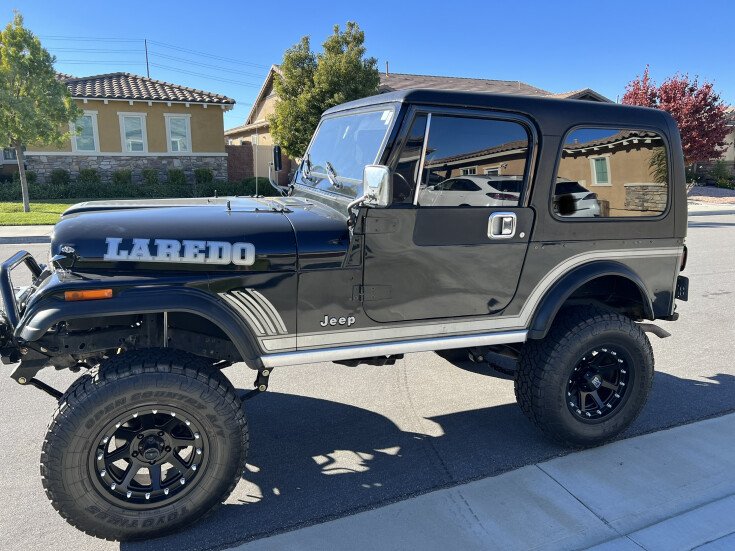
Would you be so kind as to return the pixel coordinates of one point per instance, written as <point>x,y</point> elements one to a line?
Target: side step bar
<point>391,348</point>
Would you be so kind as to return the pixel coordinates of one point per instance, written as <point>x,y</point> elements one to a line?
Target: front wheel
<point>588,379</point>
<point>154,441</point>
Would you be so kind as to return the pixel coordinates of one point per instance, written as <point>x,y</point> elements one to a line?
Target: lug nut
<point>196,436</point>
<point>147,495</point>
<point>193,467</point>
<point>22,380</point>
<point>103,472</point>
<point>129,494</point>
<point>187,422</point>
<point>160,433</point>
<point>113,486</point>
<point>135,454</point>
<point>155,411</point>
<point>183,481</point>
<point>165,491</point>
<point>199,451</point>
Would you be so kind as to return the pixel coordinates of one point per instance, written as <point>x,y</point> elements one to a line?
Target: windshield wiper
<point>332,175</point>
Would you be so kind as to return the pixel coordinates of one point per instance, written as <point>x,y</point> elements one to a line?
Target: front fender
<point>555,298</point>
<point>45,313</point>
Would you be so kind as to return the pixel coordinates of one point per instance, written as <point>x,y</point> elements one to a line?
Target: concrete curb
<point>672,489</point>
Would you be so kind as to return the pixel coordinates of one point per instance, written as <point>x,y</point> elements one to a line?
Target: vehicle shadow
<point>314,460</point>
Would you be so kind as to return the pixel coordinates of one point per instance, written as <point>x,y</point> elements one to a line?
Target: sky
<point>227,47</point>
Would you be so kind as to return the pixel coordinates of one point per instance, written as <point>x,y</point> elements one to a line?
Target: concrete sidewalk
<point>19,235</point>
<point>668,490</point>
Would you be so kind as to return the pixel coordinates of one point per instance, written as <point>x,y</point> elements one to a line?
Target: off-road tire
<point>545,366</point>
<point>142,379</point>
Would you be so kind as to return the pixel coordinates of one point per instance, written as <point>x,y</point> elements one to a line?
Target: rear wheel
<point>154,441</point>
<point>588,379</point>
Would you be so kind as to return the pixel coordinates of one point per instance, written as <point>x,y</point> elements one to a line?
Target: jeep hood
<point>207,234</point>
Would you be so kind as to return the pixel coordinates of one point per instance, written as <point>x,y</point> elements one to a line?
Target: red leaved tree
<point>697,108</point>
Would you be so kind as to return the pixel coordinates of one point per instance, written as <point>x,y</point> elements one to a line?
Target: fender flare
<point>49,311</point>
<point>555,297</point>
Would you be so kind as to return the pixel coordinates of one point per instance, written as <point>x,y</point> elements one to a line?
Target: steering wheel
<point>403,191</point>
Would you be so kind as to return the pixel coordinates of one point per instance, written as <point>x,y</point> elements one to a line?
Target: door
<point>450,246</point>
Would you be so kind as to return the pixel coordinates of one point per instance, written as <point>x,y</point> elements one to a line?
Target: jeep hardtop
<point>541,236</point>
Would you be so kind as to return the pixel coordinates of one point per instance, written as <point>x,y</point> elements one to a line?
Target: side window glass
<point>406,173</point>
<point>609,173</point>
<point>473,162</point>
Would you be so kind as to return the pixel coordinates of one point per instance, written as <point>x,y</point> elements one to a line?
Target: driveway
<point>328,440</point>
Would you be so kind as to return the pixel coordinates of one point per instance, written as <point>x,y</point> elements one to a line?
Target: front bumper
<point>9,349</point>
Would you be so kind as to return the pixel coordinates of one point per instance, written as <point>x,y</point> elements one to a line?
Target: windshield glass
<point>343,145</point>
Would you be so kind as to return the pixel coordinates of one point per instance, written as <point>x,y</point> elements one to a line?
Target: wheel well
<point>79,339</point>
<point>614,292</point>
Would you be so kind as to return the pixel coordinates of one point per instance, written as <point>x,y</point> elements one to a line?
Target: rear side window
<point>612,173</point>
<point>473,162</point>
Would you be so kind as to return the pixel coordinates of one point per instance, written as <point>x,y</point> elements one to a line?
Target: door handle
<point>501,225</point>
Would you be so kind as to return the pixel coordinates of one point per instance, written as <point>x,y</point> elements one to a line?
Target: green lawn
<point>11,214</point>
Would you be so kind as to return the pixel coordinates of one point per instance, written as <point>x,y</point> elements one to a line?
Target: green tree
<point>310,83</point>
<point>34,105</point>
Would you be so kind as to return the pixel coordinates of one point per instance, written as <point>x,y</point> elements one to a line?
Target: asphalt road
<point>327,440</point>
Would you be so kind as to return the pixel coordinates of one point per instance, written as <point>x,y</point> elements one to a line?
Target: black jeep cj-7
<point>540,234</point>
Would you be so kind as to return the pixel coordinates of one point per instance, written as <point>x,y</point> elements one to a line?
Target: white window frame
<point>594,171</point>
<point>187,117</point>
<point>492,171</point>
<point>468,168</point>
<point>121,117</point>
<point>95,134</point>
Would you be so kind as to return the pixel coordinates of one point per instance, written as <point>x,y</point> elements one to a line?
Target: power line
<point>161,44</point>
<point>89,38</point>
<point>98,61</point>
<point>95,50</point>
<point>211,56</point>
<point>207,65</point>
<point>204,75</point>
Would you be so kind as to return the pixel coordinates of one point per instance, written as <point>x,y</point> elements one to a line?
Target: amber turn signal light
<point>91,294</point>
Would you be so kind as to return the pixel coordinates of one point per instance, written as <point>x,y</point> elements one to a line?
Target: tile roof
<point>400,81</point>
<point>134,87</point>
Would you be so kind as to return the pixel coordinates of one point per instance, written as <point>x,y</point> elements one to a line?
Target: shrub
<point>60,177</point>
<point>150,177</point>
<point>721,174</point>
<point>88,184</point>
<point>203,176</point>
<point>122,178</point>
<point>31,177</point>
<point>264,188</point>
<point>176,177</point>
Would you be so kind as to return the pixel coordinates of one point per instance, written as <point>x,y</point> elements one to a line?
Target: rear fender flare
<point>555,298</point>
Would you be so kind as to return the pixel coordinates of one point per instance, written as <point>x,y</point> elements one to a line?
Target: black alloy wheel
<point>153,442</point>
<point>598,383</point>
<point>588,379</point>
<point>151,455</point>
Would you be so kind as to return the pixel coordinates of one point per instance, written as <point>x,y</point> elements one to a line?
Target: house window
<point>601,171</point>
<point>469,171</point>
<point>84,133</point>
<point>640,185</point>
<point>9,154</point>
<point>492,171</point>
<point>133,132</point>
<point>178,132</point>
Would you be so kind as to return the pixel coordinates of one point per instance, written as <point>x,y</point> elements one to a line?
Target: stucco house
<point>256,129</point>
<point>134,122</point>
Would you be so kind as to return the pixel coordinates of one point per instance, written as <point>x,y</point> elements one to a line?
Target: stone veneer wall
<point>106,165</point>
<point>646,197</point>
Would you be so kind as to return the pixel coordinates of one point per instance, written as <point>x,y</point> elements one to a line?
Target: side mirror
<point>277,161</point>
<point>377,186</point>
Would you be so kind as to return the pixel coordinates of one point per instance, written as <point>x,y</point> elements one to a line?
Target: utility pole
<point>147,69</point>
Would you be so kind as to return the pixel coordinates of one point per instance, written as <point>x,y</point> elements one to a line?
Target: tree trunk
<point>22,173</point>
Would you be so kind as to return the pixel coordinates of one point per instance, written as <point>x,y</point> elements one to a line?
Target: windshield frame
<point>298,177</point>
